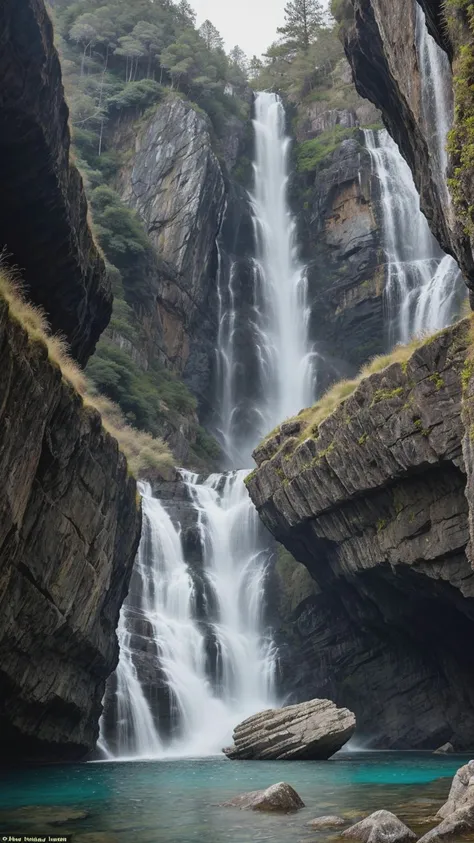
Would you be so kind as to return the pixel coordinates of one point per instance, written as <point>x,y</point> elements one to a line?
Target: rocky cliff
<point>69,528</point>
<point>69,517</point>
<point>43,218</point>
<point>173,179</point>
<point>382,43</point>
<point>376,502</point>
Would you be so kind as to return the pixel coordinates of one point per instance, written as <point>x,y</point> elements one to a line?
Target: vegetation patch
<point>312,153</point>
<point>142,450</point>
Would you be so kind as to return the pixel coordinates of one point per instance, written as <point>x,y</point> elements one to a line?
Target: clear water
<point>181,801</point>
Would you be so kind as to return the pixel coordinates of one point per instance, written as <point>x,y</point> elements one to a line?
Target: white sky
<point>252,24</point>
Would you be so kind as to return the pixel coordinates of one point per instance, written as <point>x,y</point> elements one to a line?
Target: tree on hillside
<point>186,13</point>
<point>238,58</point>
<point>303,20</point>
<point>211,36</point>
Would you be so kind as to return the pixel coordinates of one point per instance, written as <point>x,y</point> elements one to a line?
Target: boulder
<point>380,827</point>
<point>310,730</point>
<point>327,822</point>
<point>445,749</point>
<point>462,792</point>
<point>458,823</point>
<point>279,797</point>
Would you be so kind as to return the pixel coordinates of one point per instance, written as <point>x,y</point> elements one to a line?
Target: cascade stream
<point>204,618</point>
<point>423,286</point>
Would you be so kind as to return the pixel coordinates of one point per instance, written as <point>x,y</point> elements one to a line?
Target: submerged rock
<point>279,797</point>
<point>380,827</point>
<point>311,730</point>
<point>327,822</point>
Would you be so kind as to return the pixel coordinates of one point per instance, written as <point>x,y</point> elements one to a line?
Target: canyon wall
<point>376,503</point>
<point>69,515</point>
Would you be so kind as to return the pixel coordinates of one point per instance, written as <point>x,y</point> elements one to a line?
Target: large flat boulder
<point>279,798</point>
<point>311,730</point>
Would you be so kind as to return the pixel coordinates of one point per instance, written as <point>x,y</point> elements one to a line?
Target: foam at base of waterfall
<point>234,561</point>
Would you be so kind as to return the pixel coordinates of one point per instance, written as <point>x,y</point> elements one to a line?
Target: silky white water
<point>220,668</point>
<point>283,362</point>
<point>422,283</point>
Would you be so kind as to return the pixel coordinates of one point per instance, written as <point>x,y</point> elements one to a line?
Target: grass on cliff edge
<point>338,392</point>
<point>142,450</point>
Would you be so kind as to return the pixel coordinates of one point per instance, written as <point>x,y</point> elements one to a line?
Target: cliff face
<point>382,43</point>
<point>43,216</point>
<point>341,235</point>
<point>173,179</point>
<point>69,528</point>
<point>377,504</point>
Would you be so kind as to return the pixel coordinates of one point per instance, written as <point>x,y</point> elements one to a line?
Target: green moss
<point>466,374</point>
<point>363,439</point>
<point>437,380</point>
<point>387,394</point>
<point>381,524</point>
<point>310,154</point>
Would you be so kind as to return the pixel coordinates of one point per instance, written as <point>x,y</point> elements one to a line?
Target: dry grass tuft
<point>143,451</point>
<point>341,390</point>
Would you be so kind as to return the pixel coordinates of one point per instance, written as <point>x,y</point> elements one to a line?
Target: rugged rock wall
<point>173,179</point>
<point>341,236</point>
<point>43,215</point>
<point>381,44</point>
<point>69,528</point>
<point>377,505</point>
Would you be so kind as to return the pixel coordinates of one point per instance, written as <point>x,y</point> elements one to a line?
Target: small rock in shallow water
<point>279,797</point>
<point>327,822</point>
<point>380,827</point>
<point>445,749</point>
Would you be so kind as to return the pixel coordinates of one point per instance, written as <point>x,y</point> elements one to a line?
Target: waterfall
<point>422,285</point>
<point>195,655</point>
<point>282,365</point>
<point>437,97</point>
<point>217,672</point>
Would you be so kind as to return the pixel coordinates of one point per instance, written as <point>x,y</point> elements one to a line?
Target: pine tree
<point>303,20</point>
<point>239,59</point>
<point>211,36</point>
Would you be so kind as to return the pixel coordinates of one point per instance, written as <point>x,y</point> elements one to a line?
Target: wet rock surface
<point>69,530</point>
<point>380,827</point>
<point>377,505</point>
<point>43,216</point>
<point>279,798</point>
<point>312,730</point>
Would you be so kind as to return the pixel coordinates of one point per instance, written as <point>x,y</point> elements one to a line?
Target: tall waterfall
<point>422,286</point>
<point>282,366</point>
<point>437,98</point>
<point>196,657</point>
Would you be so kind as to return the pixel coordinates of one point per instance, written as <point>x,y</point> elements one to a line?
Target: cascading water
<point>437,98</point>
<point>282,365</point>
<point>422,287</point>
<point>204,616</point>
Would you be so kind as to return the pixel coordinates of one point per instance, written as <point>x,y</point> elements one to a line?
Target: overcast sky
<point>252,24</point>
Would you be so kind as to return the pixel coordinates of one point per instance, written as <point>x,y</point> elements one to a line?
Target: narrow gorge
<point>236,395</point>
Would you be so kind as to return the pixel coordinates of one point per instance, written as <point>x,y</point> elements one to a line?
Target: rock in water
<point>380,827</point>
<point>462,792</point>
<point>312,730</point>
<point>279,797</point>
<point>444,750</point>
<point>327,822</point>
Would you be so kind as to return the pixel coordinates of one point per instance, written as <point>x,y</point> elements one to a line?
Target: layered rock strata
<point>44,228</point>
<point>376,502</point>
<point>313,730</point>
<point>69,529</point>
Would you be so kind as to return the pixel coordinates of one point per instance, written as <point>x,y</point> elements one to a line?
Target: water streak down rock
<point>313,730</point>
